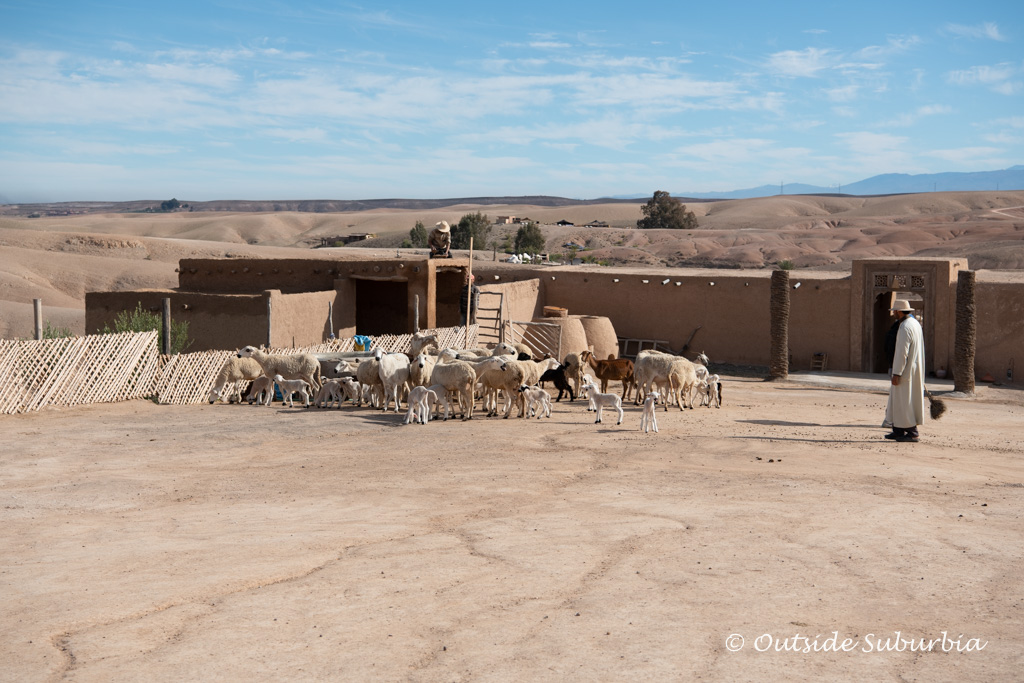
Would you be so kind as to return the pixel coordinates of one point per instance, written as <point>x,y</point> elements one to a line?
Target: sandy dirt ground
<point>170,543</point>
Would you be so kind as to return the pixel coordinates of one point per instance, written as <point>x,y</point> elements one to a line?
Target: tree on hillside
<point>418,235</point>
<point>665,211</point>
<point>476,225</point>
<point>170,205</point>
<point>529,239</point>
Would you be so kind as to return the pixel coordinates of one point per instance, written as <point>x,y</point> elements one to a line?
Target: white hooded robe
<point>907,399</point>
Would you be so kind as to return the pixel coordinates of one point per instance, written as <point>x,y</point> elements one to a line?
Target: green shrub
<point>141,320</point>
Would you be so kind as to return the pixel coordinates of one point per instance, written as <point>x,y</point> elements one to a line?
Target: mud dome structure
<point>233,302</point>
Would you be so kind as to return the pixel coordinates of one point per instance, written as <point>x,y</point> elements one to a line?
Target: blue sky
<point>253,99</point>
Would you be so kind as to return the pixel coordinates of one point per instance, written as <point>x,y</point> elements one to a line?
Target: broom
<point>936,406</point>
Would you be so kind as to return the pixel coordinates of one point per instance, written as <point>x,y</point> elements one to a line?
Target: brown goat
<point>619,369</point>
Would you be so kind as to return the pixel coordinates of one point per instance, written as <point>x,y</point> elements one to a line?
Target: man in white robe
<point>906,395</point>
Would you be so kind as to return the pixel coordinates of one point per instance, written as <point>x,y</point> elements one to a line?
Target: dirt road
<point>160,543</point>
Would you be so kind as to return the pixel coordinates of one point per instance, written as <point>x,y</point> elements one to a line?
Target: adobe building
<point>230,303</point>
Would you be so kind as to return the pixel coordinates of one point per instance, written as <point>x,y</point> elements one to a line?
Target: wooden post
<point>165,329</point>
<point>268,320</point>
<point>469,292</point>
<point>37,308</point>
<point>330,320</point>
<point>416,313</point>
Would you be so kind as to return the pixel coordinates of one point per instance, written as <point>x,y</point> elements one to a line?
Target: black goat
<point>557,375</point>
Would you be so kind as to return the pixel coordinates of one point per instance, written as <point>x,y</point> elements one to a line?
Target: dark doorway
<point>882,319</point>
<point>382,307</point>
<point>449,286</point>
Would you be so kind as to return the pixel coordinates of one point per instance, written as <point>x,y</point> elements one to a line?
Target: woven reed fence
<point>77,370</point>
<point>118,367</point>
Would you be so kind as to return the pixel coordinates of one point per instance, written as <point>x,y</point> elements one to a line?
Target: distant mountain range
<point>888,183</point>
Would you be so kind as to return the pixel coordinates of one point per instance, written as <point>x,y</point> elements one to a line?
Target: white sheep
<point>520,372</point>
<point>574,372</point>
<point>304,366</point>
<point>422,342</point>
<point>457,376</point>
<point>656,368</point>
<point>420,368</point>
<point>394,375</point>
<point>288,387</point>
<point>602,401</point>
<point>420,400</point>
<point>648,418</point>
<point>534,395</point>
<point>585,393</point>
<point>261,391</point>
<point>234,370</point>
<point>368,376</point>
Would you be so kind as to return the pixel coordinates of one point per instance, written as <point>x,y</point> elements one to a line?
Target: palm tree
<point>966,333</point>
<point>778,364</point>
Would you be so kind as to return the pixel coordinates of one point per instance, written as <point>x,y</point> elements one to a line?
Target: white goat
<point>234,370</point>
<point>288,387</point>
<point>648,419</point>
<point>368,376</point>
<point>585,392</point>
<point>420,400</point>
<point>420,368</point>
<point>460,377</point>
<point>534,395</point>
<point>602,401</point>
<point>304,366</point>
<point>439,396</point>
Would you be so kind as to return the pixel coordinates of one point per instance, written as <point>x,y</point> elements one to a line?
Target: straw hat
<point>443,226</point>
<point>902,305</point>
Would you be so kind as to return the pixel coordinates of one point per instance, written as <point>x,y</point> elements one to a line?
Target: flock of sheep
<point>449,381</point>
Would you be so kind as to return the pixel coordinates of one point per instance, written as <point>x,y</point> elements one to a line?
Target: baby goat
<point>557,375</point>
<point>602,401</point>
<point>533,395</point>
<point>648,419</point>
<point>292,386</point>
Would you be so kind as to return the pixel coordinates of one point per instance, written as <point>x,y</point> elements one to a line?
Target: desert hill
<point>59,258</point>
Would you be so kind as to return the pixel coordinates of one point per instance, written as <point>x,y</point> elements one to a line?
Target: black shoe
<point>893,435</point>
<point>904,438</point>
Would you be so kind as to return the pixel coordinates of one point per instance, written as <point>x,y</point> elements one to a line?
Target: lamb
<point>602,401</point>
<point>585,393</point>
<point>304,366</point>
<point>351,389</point>
<point>457,376</point>
<point>711,391</point>
<point>394,375</point>
<point>261,386</point>
<point>533,395</point>
<point>620,369</point>
<point>288,387</point>
<point>520,372</point>
<point>234,370</point>
<point>439,396</point>
<point>559,377</point>
<point>648,419</point>
<point>329,394</point>
<point>420,400</point>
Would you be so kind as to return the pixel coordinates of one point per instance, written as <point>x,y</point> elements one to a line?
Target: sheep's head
<point>214,394</point>
<point>246,352</point>
<point>378,355</point>
<point>703,358</point>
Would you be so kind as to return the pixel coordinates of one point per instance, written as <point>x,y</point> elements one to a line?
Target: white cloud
<point>807,62</point>
<point>845,93</point>
<point>988,30</point>
<point>998,77</point>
